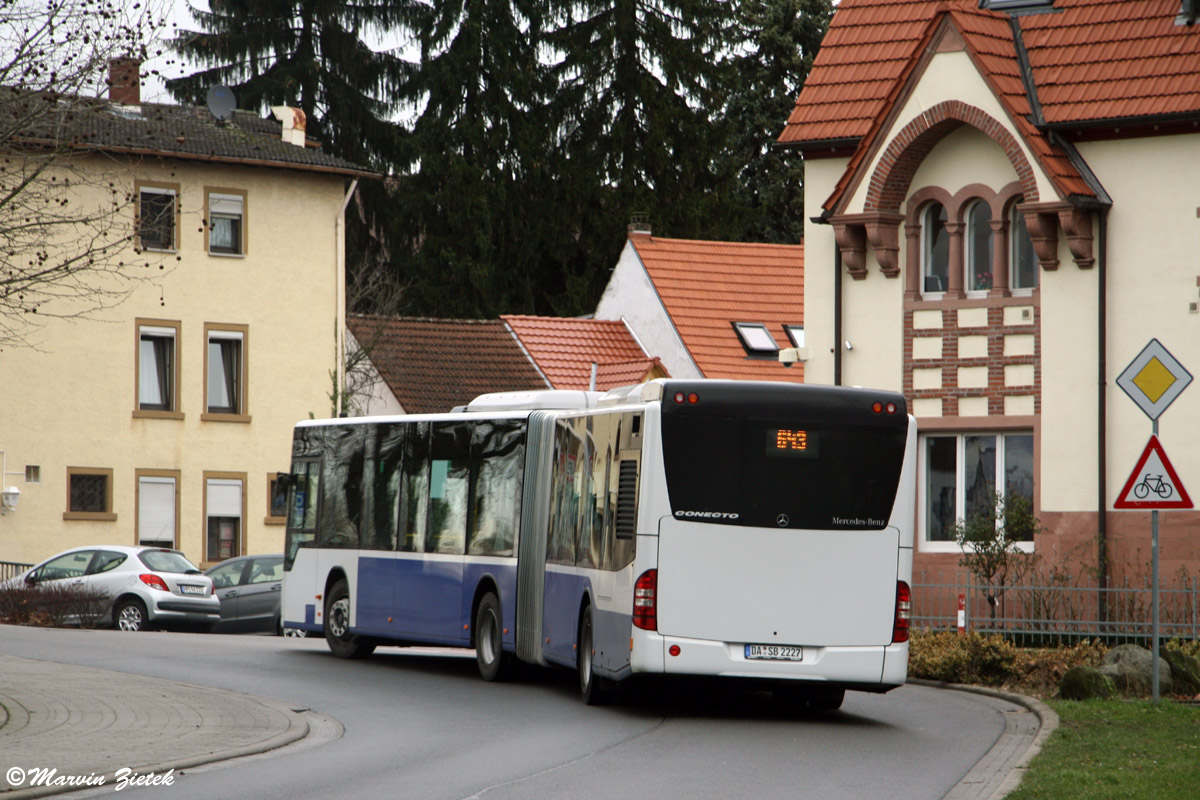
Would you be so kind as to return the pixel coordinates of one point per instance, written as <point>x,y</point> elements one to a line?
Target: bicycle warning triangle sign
<point>1153,483</point>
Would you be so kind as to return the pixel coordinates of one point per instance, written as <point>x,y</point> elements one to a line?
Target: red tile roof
<point>707,286</point>
<point>1091,60</point>
<point>433,365</point>
<point>628,373</point>
<point>565,349</point>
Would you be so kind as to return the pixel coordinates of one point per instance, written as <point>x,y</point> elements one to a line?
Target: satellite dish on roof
<point>221,102</point>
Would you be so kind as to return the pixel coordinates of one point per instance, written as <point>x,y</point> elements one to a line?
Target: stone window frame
<point>957,206</point>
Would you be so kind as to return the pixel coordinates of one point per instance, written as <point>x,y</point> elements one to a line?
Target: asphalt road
<point>419,723</point>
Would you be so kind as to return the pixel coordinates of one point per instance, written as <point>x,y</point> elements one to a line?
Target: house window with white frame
<point>156,218</point>
<point>935,250</point>
<point>964,473</point>
<point>157,367</point>
<point>157,508</point>
<point>225,372</point>
<point>223,507</point>
<point>226,223</point>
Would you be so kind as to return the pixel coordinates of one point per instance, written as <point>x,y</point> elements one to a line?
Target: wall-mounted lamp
<point>9,499</point>
<point>848,345</point>
<point>10,495</point>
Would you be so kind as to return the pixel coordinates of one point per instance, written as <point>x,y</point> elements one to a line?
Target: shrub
<point>973,658</point>
<point>54,605</point>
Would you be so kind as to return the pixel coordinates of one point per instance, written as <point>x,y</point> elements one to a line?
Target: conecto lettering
<point>706,515</point>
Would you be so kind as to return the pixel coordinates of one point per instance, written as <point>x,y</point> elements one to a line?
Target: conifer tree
<point>312,54</point>
<point>779,39</point>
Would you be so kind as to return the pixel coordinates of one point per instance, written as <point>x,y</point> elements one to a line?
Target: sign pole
<point>1154,594</point>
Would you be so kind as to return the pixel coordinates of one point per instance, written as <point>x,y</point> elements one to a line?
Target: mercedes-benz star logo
<point>782,520</point>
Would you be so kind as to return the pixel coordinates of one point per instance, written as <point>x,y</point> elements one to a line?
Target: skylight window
<point>796,334</point>
<point>755,338</point>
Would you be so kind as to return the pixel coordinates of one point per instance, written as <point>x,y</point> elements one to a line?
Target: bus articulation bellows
<point>751,530</point>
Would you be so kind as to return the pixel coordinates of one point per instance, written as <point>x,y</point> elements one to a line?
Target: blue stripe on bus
<point>560,615</point>
<point>415,599</point>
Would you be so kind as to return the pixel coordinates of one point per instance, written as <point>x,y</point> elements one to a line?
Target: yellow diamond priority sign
<point>1154,379</point>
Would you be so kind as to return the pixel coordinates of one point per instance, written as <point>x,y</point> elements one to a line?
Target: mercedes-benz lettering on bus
<point>750,530</point>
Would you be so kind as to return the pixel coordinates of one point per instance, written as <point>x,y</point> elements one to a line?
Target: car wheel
<point>343,643</point>
<point>494,663</point>
<point>594,689</point>
<point>130,615</point>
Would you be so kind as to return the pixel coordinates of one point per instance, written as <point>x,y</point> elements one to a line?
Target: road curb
<point>1011,765</point>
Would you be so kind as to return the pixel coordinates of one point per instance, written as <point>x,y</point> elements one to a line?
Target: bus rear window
<point>783,473</point>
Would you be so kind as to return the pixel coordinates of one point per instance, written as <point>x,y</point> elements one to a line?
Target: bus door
<point>433,525</point>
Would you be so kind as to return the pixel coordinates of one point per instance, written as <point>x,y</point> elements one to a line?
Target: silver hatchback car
<point>149,586</point>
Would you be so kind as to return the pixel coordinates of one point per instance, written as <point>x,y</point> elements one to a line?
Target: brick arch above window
<point>888,187</point>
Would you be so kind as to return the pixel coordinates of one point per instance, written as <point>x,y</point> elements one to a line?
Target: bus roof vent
<point>546,399</point>
<point>638,393</point>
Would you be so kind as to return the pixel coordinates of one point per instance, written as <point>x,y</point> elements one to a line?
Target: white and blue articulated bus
<point>759,531</point>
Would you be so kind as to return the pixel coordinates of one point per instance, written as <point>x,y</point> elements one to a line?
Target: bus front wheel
<point>594,689</point>
<point>494,663</point>
<point>342,643</point>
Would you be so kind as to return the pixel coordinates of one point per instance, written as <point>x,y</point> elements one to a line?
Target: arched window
<point>1022,271</point>
<point>936,251</point>
<point>979,247</point>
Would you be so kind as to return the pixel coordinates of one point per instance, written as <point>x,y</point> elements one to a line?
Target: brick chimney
<point>294,124</point>
<point>124,83</point>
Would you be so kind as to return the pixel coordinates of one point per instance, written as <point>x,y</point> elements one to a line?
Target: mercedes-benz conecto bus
<point>752,530</point>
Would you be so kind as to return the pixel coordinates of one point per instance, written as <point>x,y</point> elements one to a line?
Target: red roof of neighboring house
<point>1090,60</point>
<point>433,365</point>
<point>566,348</point>
<point>707,286</point>
<point>628,373</point>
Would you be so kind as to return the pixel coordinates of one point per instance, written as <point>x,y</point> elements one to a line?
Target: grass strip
<point>1117,750</point>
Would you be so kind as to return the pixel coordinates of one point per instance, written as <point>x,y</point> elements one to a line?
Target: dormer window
<point>756,338</point>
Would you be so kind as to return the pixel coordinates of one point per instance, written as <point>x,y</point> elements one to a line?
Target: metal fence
<point>1059,613</point>
<point>11,569</point>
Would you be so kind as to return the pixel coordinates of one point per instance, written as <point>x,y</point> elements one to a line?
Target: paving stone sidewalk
<point>81,721</point>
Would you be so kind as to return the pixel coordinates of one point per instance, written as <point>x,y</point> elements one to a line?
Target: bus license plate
<point>774,652</point>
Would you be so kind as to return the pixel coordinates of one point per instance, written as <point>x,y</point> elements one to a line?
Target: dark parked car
<point>249,588</point>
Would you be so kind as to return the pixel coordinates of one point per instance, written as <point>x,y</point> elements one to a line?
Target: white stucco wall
<point>1153,270</point>
<point>631,296</point>
<point>820,176</point>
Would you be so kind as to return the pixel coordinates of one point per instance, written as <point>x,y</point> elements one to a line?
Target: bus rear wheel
<point>494,663</point>
<point>342,643</point>
<point>594,690</point>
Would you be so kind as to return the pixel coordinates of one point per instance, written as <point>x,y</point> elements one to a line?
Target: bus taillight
<point>645,601</point>
<point>903,612</point>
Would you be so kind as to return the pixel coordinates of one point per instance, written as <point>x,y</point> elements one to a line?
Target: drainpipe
<point>339,337</point>
<point>1102,411</point>
<point>837,316</point>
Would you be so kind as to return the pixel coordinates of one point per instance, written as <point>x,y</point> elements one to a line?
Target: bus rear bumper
<point>863,666</point>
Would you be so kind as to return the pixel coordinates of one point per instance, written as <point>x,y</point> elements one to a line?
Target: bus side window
<point>497,464</point>
<point>341,486</point>
<point>449,481</point>
<point>385,498</point>
<point>560,543</point>
<point>414,488</point>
